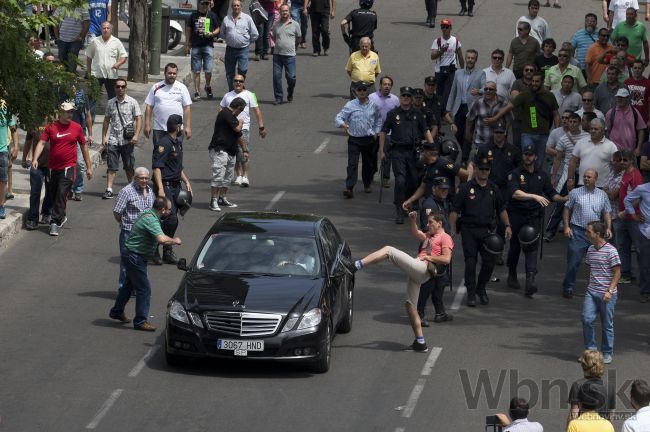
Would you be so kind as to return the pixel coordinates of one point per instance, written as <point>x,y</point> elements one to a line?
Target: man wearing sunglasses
<point>636,35</point>
<point>478,132</point>
<point>361,120</point>
<point>539,28</point>
<point>554,75</point>
<point>503,77</point>
<point>523,49</point>
<point>593,66</point>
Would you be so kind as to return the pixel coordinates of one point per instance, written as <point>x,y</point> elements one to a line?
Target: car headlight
<point>291,322</point>
<point>177,311</point>
<point>196,319</point>
<point>310,319</point>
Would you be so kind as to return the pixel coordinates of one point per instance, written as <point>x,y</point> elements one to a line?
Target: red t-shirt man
<point>63,139</point>
<point>639,95</point>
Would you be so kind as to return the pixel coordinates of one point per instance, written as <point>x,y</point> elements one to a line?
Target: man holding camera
<point>122,124</point>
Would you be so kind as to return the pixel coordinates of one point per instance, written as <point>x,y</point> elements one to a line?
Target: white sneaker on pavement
<point>238,180</point>
<point>244,182</point>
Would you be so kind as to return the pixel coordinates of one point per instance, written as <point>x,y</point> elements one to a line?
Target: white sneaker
<point>214,205</point>
<point>244,182</point>
<point>238,180</point>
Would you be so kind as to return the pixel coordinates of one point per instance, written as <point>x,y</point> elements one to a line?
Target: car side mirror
<point>182,264</point>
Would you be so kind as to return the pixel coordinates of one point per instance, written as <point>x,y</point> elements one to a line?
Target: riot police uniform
<point>168,157</point>
<point>407,127</point>
<point>361,22</point>
<point>525,213</point>
<point>479,208</point>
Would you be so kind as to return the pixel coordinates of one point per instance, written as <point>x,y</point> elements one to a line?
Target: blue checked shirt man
<point>132,200</point>
<point>362,121</point>
<point>585,204</point>
<point>641,195</point>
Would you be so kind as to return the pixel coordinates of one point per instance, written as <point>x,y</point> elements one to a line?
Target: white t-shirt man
<point>639,422</point>
<point>599,114</point>
<point>565,144</point>
<point>618,8</point>
<point>447,57</point>
<point>167,100</point>
<point>251,102</point>
<point>595,156</point>
<point>539,28</point>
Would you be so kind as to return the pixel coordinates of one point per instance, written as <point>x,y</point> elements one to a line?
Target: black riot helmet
<point>528,238</point>
<point>366,4</point>
<point>183,201</point>
<point>449,149</point>
<point>494,244</point>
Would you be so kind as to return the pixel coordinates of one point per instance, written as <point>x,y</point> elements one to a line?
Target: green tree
<point>31,88</point>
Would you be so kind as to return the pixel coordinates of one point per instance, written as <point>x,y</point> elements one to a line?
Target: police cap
<point>441,182</point>
<point>430,80</point>
<point>418,92</point>
<point>529,148</point>
<point>406,91</point>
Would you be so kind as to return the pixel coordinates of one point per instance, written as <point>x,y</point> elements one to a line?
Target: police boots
<point>512,281</point>
<point>530,284</point>
<point>471,298</point>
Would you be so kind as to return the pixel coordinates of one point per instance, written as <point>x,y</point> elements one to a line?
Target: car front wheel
<point>346,323</point>
<point>322,363</point>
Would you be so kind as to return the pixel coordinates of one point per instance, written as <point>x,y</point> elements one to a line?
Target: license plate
<point>240,347</point>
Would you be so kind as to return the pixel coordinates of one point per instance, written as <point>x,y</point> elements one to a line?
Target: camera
<point>492,423</point>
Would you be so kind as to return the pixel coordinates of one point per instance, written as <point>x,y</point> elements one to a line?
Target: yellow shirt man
<point>363,67</point>
<point>590,421</point>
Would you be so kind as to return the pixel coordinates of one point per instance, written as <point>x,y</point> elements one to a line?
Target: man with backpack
<point>625,125</point>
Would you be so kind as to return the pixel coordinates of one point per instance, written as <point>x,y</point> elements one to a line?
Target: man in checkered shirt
<point>132,200</point>
<point>586,204</point>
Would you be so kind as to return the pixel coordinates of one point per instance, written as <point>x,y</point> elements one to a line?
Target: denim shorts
<point>4,167</point>
<point>202,56</point>
<point>125,152</point>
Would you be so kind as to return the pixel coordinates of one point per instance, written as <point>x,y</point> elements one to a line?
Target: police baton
<point>541,235</point>
<point>381,179</point>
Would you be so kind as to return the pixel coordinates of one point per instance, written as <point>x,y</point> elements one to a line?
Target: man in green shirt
<point>636,34</point>
<point>554,75</point>
<point>141,246</point>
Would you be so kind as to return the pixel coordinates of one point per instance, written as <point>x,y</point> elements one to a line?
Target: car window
<point>255,253</point>
<point>330,243</point>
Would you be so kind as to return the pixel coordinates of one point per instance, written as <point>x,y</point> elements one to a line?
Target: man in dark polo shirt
<point>223,151</point>
<point>141,245</point>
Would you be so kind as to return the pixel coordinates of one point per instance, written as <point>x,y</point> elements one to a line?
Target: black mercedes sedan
<point>266,286</point>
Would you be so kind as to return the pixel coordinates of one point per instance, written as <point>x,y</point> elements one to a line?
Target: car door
<point>336,278</point>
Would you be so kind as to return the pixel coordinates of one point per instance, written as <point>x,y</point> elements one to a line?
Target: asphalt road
<point>64,366</point>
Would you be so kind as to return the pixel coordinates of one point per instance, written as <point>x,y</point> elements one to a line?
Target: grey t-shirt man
<point>285,35</point>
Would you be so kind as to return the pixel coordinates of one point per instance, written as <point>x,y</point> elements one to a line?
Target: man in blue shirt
<point>99,11</point>
<point>584,38</point>
<point>641,194</point>
<point>362,122</point>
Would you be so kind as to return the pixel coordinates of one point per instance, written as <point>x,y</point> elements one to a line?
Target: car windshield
<point>255,253</point>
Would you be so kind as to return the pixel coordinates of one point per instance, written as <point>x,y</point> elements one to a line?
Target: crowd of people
<point>538,142</point>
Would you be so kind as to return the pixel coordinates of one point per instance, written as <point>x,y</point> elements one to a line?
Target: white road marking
<point>400,429</point>
<point>274,200</point>
<point>431,361</point>
<point>104,409</point>
<point>458,298</point>
<point>322,146</point>
<point>143,361</point>
<point>413,398</point>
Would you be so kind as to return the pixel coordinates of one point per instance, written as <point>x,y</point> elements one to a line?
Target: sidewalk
<point>18,207</point>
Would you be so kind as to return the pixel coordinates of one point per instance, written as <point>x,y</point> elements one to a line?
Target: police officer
<point>530,190</point>
<point>432,166</point>
<point>431,100</point>
<point>167,176</point>
<point>505,157</point>
<point>436,203</point>
<point>479,204</point>
<point>360,23</point>
<point>407,127</point>
<point>433,121</point>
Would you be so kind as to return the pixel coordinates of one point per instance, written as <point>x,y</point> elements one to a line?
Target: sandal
<point>208,91</point>
<point>197,96</point>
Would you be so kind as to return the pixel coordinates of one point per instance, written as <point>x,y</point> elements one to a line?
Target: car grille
<point>243,323</point>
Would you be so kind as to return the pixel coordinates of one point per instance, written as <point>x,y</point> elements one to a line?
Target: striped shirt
<point>600,262</point>
<point>581,41</point>
<point>588,206</point>
<point>362,119</point>
<point>131,202</point>
<point>72,23</point>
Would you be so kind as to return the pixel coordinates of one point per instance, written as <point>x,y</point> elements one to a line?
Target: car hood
<point>209,291</point>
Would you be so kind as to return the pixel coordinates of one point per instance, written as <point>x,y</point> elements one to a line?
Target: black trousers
<point>405,172</point>
<point>320,28</point>
<point>434,287</point>
<point>59,187</point>
<point>518,220</point>
<point>385,164</point>
<point>170,224</point>
<point>109,85</point>
<point>460,118</point>
<point>432,9</point>
<point>364,146</point>
<point>556,214</point>
<point>467,5</point>
<point>444,82</point>
<point>472,241</point>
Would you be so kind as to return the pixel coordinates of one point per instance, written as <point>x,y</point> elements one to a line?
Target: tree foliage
<point>31,88</point>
